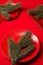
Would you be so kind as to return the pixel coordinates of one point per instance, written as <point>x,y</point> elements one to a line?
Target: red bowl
<point>13,15</point>
<point>39,22</point>
<point>16,35</point>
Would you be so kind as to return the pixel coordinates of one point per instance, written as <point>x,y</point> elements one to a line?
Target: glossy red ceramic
<point>16,35</point>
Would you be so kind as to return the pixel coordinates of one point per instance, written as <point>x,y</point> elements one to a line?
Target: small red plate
<point>12,15</point>
<point>16,35</point>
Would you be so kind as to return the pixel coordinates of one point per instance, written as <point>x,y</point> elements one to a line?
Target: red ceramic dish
<point>16,35</point>
<point>13,15</point>
<point>39,22</point>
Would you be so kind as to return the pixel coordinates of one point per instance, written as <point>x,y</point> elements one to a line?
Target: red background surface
<point>26,22</point>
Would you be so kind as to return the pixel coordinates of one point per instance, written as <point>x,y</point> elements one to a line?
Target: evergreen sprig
<point>38,12</point>
<point>8,8</point>
<point>25,44</point>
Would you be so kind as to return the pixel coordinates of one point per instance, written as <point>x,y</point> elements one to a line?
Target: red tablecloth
<point>24,21</point>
